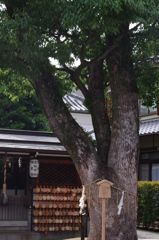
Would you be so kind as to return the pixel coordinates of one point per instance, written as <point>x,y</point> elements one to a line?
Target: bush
<point>148,203</point>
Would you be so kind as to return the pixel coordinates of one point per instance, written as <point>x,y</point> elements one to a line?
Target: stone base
<point>19,235</point>
<point>13,223</point>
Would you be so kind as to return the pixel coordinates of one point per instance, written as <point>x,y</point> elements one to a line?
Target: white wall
<point>84,120</point>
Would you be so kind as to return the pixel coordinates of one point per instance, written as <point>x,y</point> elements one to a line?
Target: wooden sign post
<point>104,192</point>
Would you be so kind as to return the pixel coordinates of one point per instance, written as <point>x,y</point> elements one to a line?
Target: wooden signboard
<point>104,189</point>
<point>104,192</point>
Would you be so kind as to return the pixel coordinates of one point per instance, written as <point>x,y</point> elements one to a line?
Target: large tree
<point>98,33</point>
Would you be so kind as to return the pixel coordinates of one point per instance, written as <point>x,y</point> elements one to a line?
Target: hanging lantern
<point>34,168</point>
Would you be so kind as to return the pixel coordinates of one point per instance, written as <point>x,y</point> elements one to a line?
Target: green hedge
<point>148,203</point>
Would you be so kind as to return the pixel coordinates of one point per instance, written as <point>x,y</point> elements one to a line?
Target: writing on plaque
<point>34,168</point>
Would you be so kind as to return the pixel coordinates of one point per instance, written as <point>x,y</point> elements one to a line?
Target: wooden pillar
<point>104,193</point>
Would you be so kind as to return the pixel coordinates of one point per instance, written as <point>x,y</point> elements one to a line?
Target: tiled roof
<point>148,127</point>
<point>75,103</point>
<point>42,142</point>
<point>29,141</point>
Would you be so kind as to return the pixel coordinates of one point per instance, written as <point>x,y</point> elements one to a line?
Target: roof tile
<point>149,127</point>
<point>75,103</point>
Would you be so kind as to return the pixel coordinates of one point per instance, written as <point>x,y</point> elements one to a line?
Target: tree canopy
<point>33,32</point>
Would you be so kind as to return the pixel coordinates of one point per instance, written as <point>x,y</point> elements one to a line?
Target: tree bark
<point>123,154</point>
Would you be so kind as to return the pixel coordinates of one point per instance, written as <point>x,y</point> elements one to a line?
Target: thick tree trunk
<point>71,135</point>
<point>76,142</point>
<point>123,154</point>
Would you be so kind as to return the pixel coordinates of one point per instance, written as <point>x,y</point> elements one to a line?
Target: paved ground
<point>27,235</point>
<point>142,235</point>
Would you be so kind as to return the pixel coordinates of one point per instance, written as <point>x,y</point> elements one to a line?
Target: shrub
<point>148,203</point>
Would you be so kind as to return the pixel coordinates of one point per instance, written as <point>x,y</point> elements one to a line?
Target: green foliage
<point>14,85</point>
<point>20,108</point>
<point>145,57</point>
<point>148,203</point>
<point>23,114</point>
<point>64,83</point>
<point>34,31</point>
<point>149,88</point>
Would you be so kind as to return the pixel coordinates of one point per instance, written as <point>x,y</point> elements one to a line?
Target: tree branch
<point>116,44</point>
<point>98,109</point>
<point>84,45</point>
<point>75,77</point>
<point>112,47</point>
